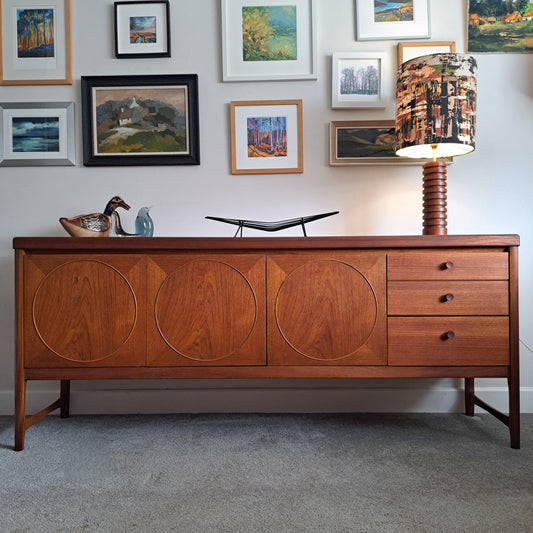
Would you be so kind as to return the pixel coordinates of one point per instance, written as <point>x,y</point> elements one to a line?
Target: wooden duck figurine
<point>93,224</point>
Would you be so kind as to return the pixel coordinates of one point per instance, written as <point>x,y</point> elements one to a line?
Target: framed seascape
<point>500,26</point>
<point>385,19</point>
<point>268,40</point>
<point>35,42</point>
<point>266,137</point>
<point>140,120</point>
<point>371,142</point>
<point>142,29</point>
<point>360,80</point>
<point>37,134</point>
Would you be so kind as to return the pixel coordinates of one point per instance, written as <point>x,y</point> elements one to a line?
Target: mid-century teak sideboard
<point>315,307</point>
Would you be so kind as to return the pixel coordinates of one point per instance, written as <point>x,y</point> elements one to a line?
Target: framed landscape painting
<point>37,134</point>
<point>140,120</point>
<point>35,42</point>
<point>142,29</point>
<point>268,40</point>
<point>266,137</point>
<point>500,26</point>
<point>385,19</point>
<point>360,79</point>
<point>371,142</point>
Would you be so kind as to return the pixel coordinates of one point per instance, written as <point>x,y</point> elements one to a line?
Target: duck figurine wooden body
<point>93,224</point>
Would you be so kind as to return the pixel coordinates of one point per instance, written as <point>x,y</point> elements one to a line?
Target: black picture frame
<point>151,43</point>
<point>125,117</point>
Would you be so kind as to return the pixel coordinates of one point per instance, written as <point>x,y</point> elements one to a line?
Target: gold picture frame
<point>50,63</point>
<point>410,50</point>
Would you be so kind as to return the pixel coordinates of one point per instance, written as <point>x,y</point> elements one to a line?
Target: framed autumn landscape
<point>268,40</point>
<point>266,137</point>
<point>35,42</point>
<point>140,120</point>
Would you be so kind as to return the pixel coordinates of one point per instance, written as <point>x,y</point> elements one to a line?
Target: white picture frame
<point>246,154</point>
<point>54,140</point>
<point>300,65</point>
<point>352,85</point>
<point>371,27</point>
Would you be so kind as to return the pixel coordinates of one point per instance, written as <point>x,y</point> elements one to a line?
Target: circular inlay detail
<point>205,310</point>
<point>326,310</point>
<point>84,310</point>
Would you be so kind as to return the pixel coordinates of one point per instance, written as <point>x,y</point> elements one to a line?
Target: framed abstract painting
<point>266,137</point>
<point>140,120</point>
<point>384,19</point>
<point>142,29</point>
<point>37,134</point>
<point>35,42</point>
<point>268,40</point>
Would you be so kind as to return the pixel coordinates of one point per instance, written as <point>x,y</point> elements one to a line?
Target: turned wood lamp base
<point>434,205</point>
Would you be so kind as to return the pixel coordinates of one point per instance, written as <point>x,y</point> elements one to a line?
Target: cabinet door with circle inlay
<point>84,311</point>
<point>327,309</point>
<point>207,310</point>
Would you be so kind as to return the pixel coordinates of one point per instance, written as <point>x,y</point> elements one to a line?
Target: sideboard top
<point>154,244</point>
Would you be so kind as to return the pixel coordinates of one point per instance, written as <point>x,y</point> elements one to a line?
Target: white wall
<point>489,191</point>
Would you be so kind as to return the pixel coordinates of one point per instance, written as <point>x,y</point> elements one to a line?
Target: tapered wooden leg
<point>20,412</point>
<point>65,398</point>
<point>514,411</point>
<point>469,396</point>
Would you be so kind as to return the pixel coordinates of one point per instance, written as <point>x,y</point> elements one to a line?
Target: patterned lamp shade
<point>436,105</point>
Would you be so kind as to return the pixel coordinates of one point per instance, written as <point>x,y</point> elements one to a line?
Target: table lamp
<point>435,118</point>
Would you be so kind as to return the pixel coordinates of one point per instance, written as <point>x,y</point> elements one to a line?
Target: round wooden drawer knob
<point>447,297</point>
<point>448,335</point>
<point>447,266</point>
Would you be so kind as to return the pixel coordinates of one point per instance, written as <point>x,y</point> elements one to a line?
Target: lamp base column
<point>434,205</point>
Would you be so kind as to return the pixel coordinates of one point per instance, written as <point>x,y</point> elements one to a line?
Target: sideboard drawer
<point>443,264</point>
<point>448,298</point>
<point>448,341</point>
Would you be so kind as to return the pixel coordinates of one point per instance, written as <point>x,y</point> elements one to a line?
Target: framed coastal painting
<point>410,50</point>
<point>371,142</point>
<point>142,29</point>
<point>140,120</point>
<point>35,42</point>
<point>385,19</point>
<point>37,134</point>
<point>266,137</point>
<point>360,79</point>
<point>268,40</point>
<point>500,26</point>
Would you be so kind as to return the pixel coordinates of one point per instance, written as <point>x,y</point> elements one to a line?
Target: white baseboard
<point>267,400</point>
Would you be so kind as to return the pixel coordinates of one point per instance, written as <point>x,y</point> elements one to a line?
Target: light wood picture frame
<point>391,20</point>
<point>410,50</point>
<point>266,137</point>
<point>287,51</point>
<point>35,43</point>
<point>366,142</point>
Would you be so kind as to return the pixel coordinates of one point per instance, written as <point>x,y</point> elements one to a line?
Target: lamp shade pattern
<point>436,105</point>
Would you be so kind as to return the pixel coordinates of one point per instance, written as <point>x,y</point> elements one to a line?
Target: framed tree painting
<point>37,134</point>
<point>268,40</point>
<point>142,29</point>
<point>360,79</point>
<point>266,137</point>
<point>500,26</point>
<point>140,120</point>
<point>35,42</point>
<point>384,19</point>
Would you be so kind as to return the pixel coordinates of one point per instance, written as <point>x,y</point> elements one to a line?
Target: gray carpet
<point>267,473</point>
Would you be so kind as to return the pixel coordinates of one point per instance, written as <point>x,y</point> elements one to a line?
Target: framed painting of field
<point>140,120</point>
<point>142,29</point>
<point>35,42</point>
<point>370,142</point>
<point>266,137</point>
<point>360,79</point>
<point>37,134</point>
<point>500,26</point>
<point>268,40</point>
<point>386,19</point>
